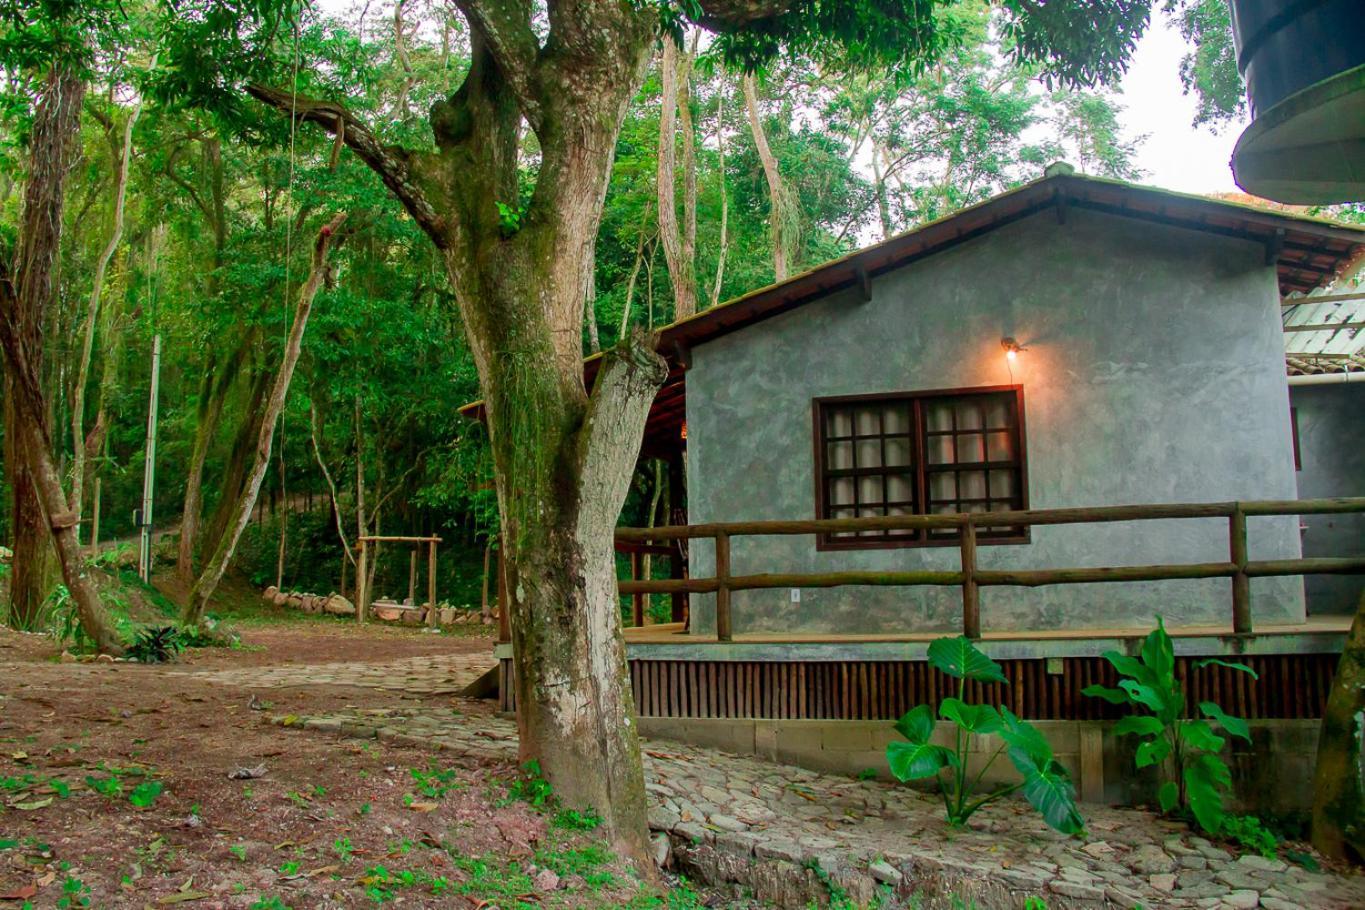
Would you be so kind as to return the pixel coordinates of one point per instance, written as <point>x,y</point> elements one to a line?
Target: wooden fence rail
<point>971,579</point>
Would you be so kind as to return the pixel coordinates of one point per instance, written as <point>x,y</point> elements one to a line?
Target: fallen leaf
<point>416,807</point>
<point>20,894</point>
<point>35,804</point>
<point>181,897</point>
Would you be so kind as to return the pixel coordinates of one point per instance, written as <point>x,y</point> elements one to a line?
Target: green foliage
<point>1209,68</point>
<point>1046,784</point>
<point>1184,749</point>
<point>155,645</point>
<point>531,787</point>
<point>1251,834</point>
<point>574,820</point>
<point>145,793</point>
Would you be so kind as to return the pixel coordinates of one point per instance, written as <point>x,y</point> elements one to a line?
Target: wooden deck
<point>673,634</point>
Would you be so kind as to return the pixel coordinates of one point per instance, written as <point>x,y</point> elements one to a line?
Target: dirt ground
<point>117,790</point>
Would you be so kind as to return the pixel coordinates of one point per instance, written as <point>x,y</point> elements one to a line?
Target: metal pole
<point>149,467</point>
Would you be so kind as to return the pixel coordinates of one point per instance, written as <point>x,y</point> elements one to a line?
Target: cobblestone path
<point>443,674</point>
<point>742,812</point>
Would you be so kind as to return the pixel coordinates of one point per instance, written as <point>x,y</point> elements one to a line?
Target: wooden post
<point>344,560</point>
<point>971,594</point>
<point>723,629</point>
<point>361,577</point>
<point>637,600</point>
<point>412,577</point>
<point>1241,583</point>
<point>677,515</point>
<point>504,621</point>
<point>431,583</point>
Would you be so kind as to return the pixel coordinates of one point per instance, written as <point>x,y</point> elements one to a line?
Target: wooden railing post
<point>1241,582</point>
<point>637,600</point>
<point>504,617</point>
<point>723,631</point>
<point>432,617</point>
<point>971,593</point>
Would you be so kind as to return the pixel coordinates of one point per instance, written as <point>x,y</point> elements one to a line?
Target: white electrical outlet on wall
<point>796,595</point>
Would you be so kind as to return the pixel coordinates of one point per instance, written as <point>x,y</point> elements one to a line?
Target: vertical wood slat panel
<point>1290,686</point>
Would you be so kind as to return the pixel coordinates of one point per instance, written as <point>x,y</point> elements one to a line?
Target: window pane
<point>869,453</point>
<point>900,532</point>
<point>841,513</point>
<point>868,422</point>
<point>970,449</point>
<point>998,447</point>
<point>939,415</point>
<point>897,450</point>
<point>1002,484</point>
<point>971,485</point>
<point>969,414</point>
<point>840,456</point>
<point>841,491</point>
<point>998,412</point>
<point>840,423</point>
<point>896,419</point>
<point>941,450</point>
<point>943,486</point>
<point>870,489</point>
<point>899,488</point>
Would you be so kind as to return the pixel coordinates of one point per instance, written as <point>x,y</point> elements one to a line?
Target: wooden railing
<point>971,578</point>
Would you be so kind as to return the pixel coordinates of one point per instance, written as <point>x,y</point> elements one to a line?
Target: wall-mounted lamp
<point>1012,348</point>
<point>682,434</point>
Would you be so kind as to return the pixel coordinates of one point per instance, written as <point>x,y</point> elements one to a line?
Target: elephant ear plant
<point>1186,749</point>
<point>1046,784</point>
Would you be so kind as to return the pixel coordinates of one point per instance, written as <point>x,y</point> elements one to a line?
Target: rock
<point>1210,852</point>
<point>1116,894</point>
<point>727,823</point>
<point>269,593</point>
<point>546,880</point>
<point>662,849</point>
<point>1163,882</point>
<point>1098,849</point>
<point>1076,890</point>
<point>1243,900</point>
<point>1261,864</point>
<point>885,873</point>
<point>1275,903</point>
<point>1240,881</point>
<point>1192,861</point>
<point>1149,859</point>
<point>662,819</point>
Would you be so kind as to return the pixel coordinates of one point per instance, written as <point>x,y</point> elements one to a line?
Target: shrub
<point>1046,784</point>
<point>1184,748</point>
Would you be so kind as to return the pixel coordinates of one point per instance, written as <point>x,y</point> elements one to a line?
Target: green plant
<point>510,220</point>
<point>1046,784</point>
<point>573,820</point>
<point>342,848</point>
<point>270,903</point>
<point>145,793</point>
<point>239,851</point>
<point>1184,748</point>
<point>104,786</point>
<point>155,645</point>
<point>75,893</point>
<point>1250,833</point>
<point>531,788</point>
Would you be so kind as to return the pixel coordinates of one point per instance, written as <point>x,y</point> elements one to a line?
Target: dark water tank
<point>1304,65</point>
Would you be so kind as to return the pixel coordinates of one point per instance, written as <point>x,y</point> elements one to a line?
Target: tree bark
<point>724,250</point>
<point>213,392</point>
<point>1339,780</point>
<point>234,477</point>
<point>328,239</point>
<point>25,298</point>
<point>779,203</point>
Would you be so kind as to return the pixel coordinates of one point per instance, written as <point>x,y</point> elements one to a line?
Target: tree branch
<point>393,164</point>
<point>505,29</point>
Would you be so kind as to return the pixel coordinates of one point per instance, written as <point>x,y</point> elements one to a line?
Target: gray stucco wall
<point>1331,421</point>
<point>1154,372</point>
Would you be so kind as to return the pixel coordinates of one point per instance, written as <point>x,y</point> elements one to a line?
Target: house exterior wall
<point>1331,429</point>
<point>1154,372</point>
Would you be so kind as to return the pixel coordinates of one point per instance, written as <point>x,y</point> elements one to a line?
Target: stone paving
<point>766,826</point>
<point>444,674</point>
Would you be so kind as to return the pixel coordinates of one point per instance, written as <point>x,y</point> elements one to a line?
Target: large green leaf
<point>1152,752</point>
<point>972,718</point>
<point>917,724</point>
<point>1129,666</point>
<point>1206,779</point>
<point>1048,788</point>
<point>1146,695</point>
<point>1113,696</point>
<point>1231,665</point>
<point>915,761</point>
<point>1025,738</point>
<point>960,658</point>
<point>1168,795</point>
<point>1197,734</point>
<point>1157,651</point>
<point>1235,726</point>
<point>1141,724</point>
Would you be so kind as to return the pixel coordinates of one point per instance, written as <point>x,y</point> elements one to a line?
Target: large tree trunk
<point>24,300</point>
<point>241,513</point>
<point>213,392</point>
<point>679,244</point>
<point>1339,782</point>
<point>34,566</point>
<point>79,444</point>
<point>780,219</point>
<point>233,481</point>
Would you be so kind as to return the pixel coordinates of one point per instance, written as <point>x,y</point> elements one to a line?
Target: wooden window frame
<point>824,542</point>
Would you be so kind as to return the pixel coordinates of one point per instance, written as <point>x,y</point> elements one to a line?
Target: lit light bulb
<point>1011,354</point>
